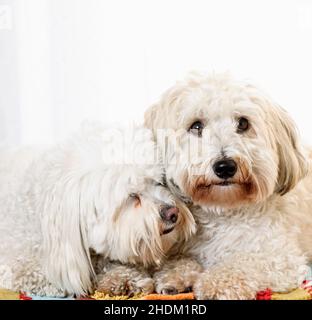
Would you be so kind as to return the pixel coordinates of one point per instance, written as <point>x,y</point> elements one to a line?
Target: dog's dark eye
<point>242,125</point>
<point>197,128</point>
<point>136,198</point>
<point>162,182</point>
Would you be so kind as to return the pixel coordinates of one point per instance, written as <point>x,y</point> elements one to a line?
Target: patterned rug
<point>304,292</point>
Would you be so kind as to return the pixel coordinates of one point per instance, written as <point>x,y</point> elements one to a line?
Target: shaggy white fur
<point>234,155</point>
<point>100,192</point>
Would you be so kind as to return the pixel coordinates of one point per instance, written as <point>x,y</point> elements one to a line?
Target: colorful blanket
<point>304,292</point>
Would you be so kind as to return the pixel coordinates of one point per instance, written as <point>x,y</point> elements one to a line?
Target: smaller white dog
<point>67,212</point>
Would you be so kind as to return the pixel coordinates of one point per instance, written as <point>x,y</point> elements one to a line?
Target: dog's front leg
<point>225,283</point>
<point>118,279</point>
<point>177,276</point>
<point>241,276</point>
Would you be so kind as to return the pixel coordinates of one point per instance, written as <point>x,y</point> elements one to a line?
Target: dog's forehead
<point>142,175</point>
<point>217,104</point>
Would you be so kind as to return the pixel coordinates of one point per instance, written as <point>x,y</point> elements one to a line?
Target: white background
<point>63,61</point>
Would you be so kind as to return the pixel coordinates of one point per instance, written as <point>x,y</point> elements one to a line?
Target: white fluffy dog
<point>68,211</point>
<point>234,156</point>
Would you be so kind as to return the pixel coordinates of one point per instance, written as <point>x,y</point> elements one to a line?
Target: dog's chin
<point>227,194</point>
<point>167,228</point>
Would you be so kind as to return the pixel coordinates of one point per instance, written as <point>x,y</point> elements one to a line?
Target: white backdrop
<point>62,61</point>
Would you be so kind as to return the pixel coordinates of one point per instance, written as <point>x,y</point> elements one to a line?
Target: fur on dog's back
<point>20,232</point>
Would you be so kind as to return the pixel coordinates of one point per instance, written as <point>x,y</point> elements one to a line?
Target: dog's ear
<point>293,165</point>
<point>165,111</point>
<point>150,117</point>
<point>66,251</point>
<point>187,220</point>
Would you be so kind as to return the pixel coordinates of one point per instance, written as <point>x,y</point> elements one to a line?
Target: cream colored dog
<point>235,157</point>
<point>94,205</point>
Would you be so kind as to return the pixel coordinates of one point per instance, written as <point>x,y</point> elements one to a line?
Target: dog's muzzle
<point>169,216</point>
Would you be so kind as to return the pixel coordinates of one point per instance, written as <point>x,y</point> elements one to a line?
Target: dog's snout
<point>169,213</point>
<point>225,169</point>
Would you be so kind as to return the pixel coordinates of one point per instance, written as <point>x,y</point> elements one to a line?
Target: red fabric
<point>264,295</point>
<point>23,296</point>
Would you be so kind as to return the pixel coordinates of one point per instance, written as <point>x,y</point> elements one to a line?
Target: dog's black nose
<point>225,169</point>
<point>169,213</point>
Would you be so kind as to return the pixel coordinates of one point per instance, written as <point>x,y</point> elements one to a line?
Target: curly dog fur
<point>254,220</point>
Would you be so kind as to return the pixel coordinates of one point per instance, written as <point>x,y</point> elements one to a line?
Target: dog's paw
<point>177,276</point>
<point>218,286</point>
<point>175,288</point>
<point>123,280</point>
